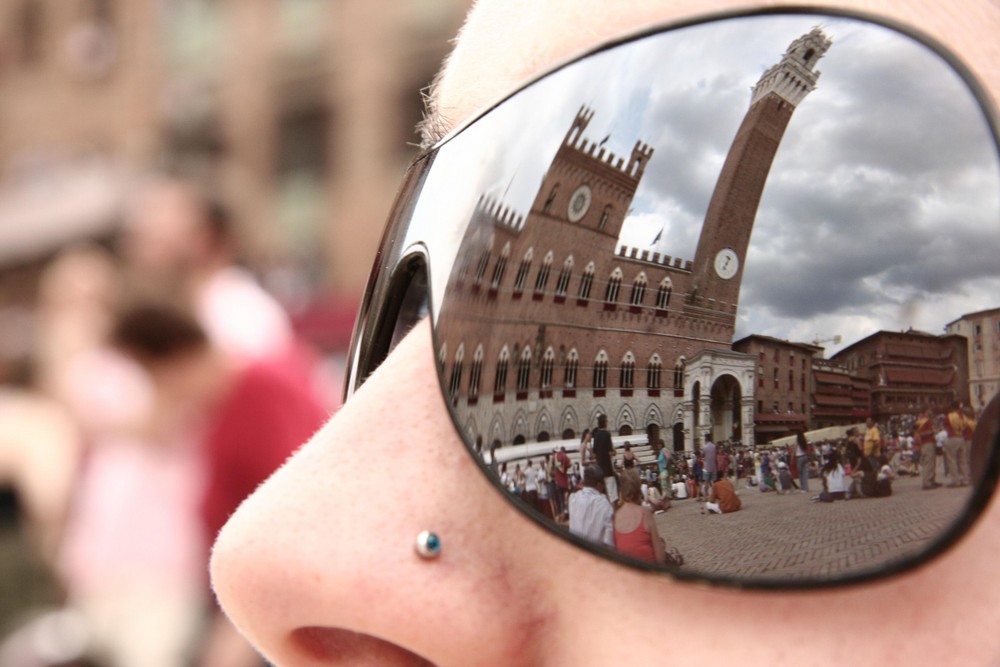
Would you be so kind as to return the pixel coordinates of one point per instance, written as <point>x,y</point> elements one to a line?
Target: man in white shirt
<point>590,512</point>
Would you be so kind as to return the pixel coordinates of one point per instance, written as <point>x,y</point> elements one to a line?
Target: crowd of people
<point>611,498</point>
<point>185,387</point>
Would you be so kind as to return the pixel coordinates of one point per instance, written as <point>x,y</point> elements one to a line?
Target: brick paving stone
<point>785,537</point>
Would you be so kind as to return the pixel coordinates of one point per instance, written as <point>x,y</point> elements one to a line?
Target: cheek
<point>328,541</point>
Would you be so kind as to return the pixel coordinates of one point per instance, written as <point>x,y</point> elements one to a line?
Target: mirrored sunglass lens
<point>719,237</point>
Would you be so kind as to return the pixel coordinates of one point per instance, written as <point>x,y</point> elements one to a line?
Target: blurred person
<point>179,238</point>
<point>249,418</point>
<point>300,579</point>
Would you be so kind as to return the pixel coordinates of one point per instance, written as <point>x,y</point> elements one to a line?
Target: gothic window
<point>572,365</point>
<point>522,271</point>
<point>638,290</point>
<point>627,375</point>
<point>663,294</point>
<point>548,361</point>
<point>500,380</point>
<point>484,260</point>
<point>456,372</point>
<point>653,372</point>
<point>543,275</point>
<point>476,372</point>
<point>500,267</point>
<point>562,284</point>
<point>524,371</point>
<point>601,370</point>
<point>611,290</point>
<point>679,376</point>
<point>586,282</point>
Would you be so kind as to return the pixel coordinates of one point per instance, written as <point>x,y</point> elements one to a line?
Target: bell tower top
<point>795,75</point>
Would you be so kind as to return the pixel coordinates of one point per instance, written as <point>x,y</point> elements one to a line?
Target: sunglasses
<point>707,241</point>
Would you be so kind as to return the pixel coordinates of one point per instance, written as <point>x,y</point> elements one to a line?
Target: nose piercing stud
<point>428,544</point>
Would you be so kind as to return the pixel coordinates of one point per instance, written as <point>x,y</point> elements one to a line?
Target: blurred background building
<point>299,114</point>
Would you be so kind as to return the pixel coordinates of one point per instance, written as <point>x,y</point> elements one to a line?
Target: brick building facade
<point>907,371</point>
<point>783,389</point>
<point>548,323</point>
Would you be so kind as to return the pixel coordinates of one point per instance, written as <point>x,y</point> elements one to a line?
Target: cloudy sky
<point>882,209</point>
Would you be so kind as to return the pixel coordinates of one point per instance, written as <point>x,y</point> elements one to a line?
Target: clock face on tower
<point>579,202</point>
<point>726,263</point>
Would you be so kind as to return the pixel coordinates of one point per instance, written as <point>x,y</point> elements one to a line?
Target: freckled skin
<point>328,541</point>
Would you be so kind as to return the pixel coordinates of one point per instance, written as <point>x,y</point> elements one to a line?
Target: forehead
<point>506,42</point>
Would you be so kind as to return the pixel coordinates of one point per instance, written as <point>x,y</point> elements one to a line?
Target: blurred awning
<point>52,206</point>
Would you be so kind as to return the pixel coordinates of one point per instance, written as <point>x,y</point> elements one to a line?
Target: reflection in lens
<point>607,269</point>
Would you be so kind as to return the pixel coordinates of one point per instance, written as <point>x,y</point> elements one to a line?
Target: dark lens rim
<point>988,479</point>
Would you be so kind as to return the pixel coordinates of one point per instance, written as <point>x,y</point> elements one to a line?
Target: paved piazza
<point>787,536</point>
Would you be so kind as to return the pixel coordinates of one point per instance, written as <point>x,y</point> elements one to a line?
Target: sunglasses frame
<point>402,261</point>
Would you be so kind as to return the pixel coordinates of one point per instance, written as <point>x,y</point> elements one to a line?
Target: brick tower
<point>721,252</point>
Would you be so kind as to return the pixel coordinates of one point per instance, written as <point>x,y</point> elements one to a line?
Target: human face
<point>318,565</point>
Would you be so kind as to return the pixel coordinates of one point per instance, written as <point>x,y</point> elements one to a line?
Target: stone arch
<point>519,426</point>
<point>597,410</point>
<point>569,420</point>
<point>653,415</point>
<point>471,430</point>
<point>543,424</point>
<point>498,432</point>
<point>625,419</point>
<point>726,403</point>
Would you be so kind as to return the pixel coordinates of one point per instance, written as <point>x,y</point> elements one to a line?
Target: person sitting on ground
<point>723,499</point>
<point>784,478</point>
<point>657,501</point>
<point>636,534</point>
<point>834,480</point>
<point>884,478</point>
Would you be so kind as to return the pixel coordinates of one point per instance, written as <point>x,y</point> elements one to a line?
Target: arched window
<point>570,369</point>
<point>611,290</point>
<point>653,372</point>
<point>601,371</point>
<point>548,362</point>
<point>586,282</point>
<point>456,372</point>
<point>523,373</point>
<point>562,284</point>
<point>626,378</point>
<point>663,296</point>
<point>500,379</point>
<point>484,260</point>
<point>522,272</point>
<point>638,291</point>
<point>500,267</point>
<point>679,377</point>
<point>475,374</point>
<point>543,275</point>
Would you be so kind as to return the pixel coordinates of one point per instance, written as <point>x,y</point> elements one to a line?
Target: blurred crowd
<point>165,385</point>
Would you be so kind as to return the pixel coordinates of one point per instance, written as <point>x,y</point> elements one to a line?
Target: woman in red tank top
<point>635,530</point>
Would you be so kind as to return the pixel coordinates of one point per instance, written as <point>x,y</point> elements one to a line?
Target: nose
<point>318,566</point>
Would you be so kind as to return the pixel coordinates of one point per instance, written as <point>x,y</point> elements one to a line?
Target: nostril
<point>338,646</point>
